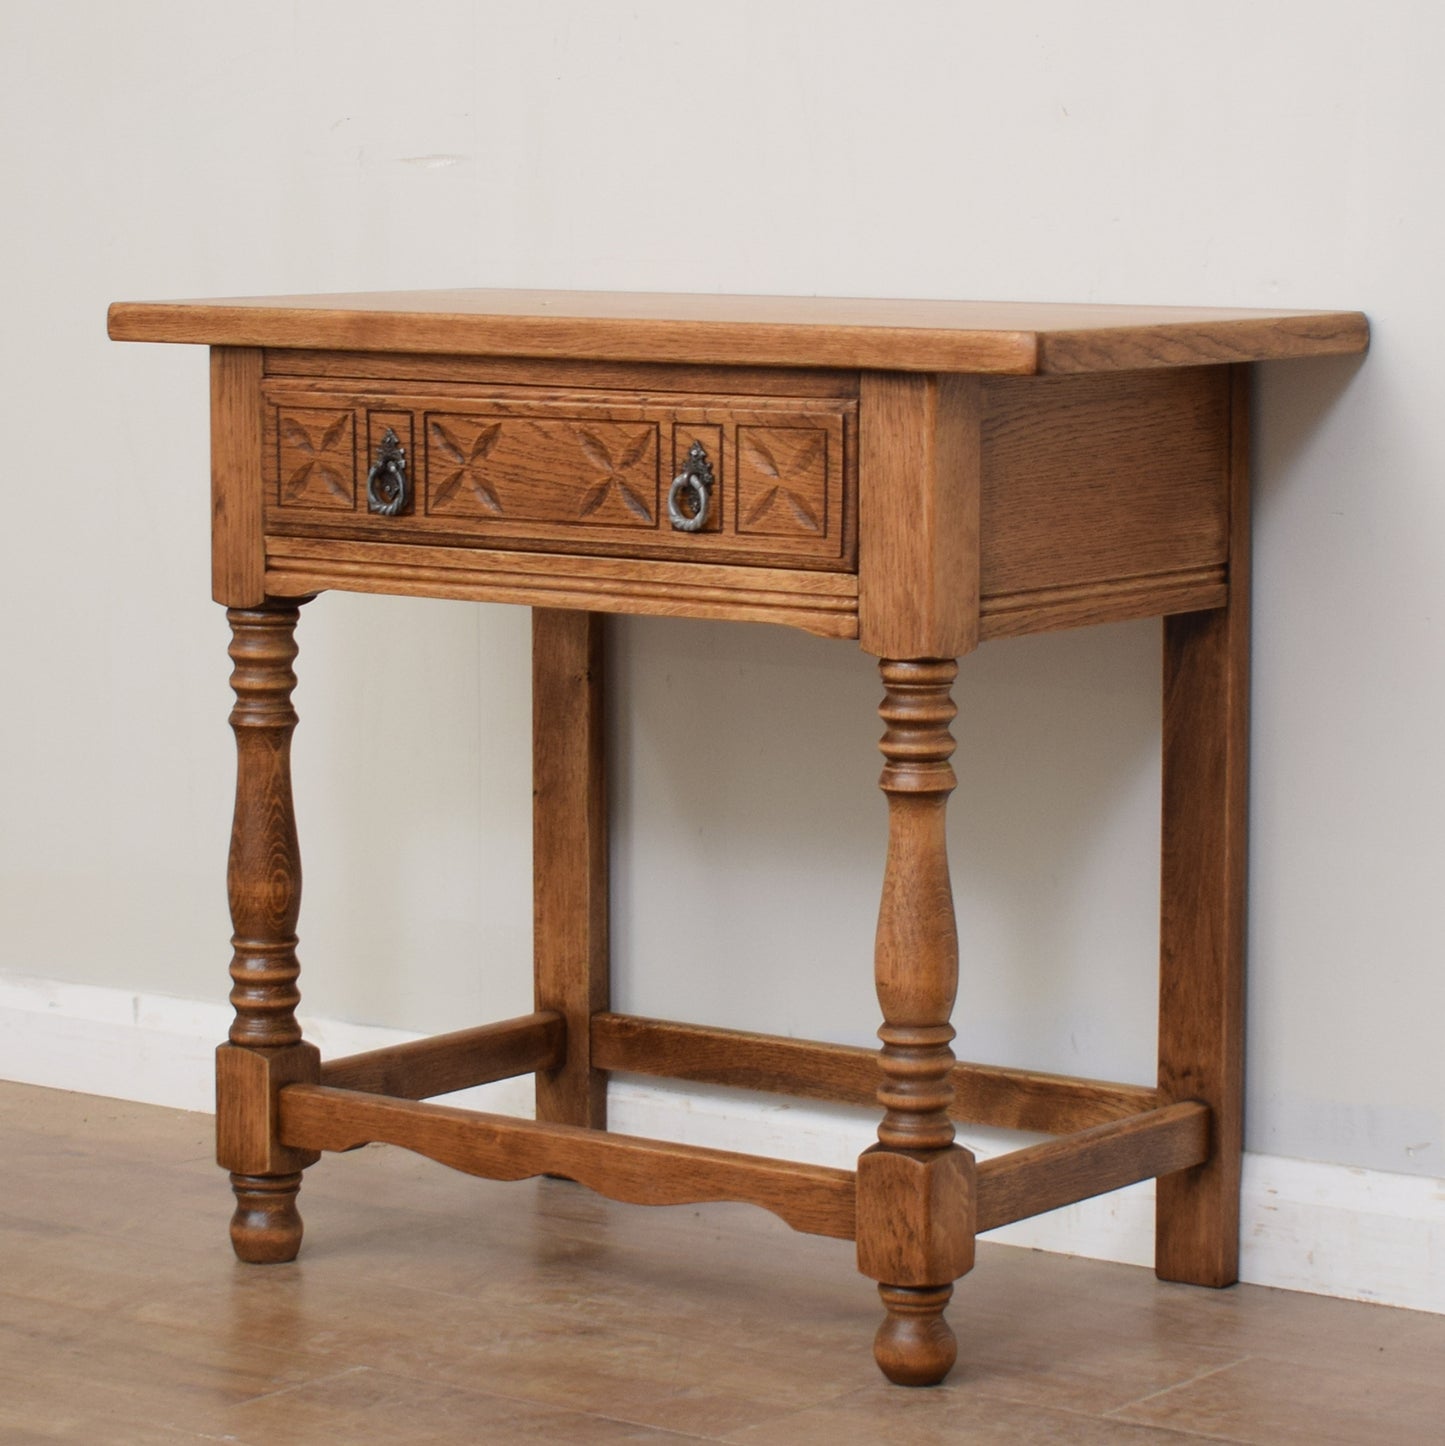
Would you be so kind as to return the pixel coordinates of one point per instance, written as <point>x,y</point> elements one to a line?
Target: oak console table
<point>918,476</point>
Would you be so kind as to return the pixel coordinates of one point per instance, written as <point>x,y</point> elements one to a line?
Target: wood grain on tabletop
<point>906,335</point>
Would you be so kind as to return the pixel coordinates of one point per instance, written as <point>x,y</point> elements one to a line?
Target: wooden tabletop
<point>810,331</point>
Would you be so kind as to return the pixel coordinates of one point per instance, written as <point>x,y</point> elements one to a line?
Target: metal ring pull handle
<point>387,490</point>
<point>694,483</point>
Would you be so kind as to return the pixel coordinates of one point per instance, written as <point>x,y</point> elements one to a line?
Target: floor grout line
<point>300,1385</point>
<point>399,1371</point>
<point>1179,1385</point>
<point>1108,1418</point>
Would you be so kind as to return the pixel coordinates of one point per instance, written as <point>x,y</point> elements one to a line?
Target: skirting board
<point>1326,1229</point>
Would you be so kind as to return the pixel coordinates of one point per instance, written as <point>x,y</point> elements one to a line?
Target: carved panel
<point>782,475</point>
<point>543,468</point>
<point>316,458</point>
<point>529,469</point>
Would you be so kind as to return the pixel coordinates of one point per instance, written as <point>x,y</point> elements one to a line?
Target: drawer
<point>559,470</point>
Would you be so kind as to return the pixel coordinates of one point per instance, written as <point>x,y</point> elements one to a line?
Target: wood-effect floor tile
<point>72,1374</point>
<point>364,1407</point>
<point>884,1417</point>
<point>1264,1401</point>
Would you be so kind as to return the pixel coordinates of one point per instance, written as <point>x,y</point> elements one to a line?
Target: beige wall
<point>1240,154</point>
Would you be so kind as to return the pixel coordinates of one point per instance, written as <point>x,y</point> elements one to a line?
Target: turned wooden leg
<point>266,1050</point>
<point>569,855</point>
<point>916,1210</point>
<point>1201,994</point>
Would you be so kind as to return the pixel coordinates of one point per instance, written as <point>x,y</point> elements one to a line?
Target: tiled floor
<point>428,1307</point>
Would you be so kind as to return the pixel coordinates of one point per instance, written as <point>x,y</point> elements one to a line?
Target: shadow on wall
<point>1291,403</point>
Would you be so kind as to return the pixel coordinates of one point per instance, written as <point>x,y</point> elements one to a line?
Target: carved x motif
<point>599,455</point>
<point>781,494</point>
<point>467,456</point>
<point>322,457</point>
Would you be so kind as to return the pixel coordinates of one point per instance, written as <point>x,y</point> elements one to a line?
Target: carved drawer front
<point>565,471</point>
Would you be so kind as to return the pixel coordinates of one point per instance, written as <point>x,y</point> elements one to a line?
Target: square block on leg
<point>248,1082</point>
<point>916,1215</point>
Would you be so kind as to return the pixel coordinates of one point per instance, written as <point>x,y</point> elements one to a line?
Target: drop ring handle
<point>387,488</point>
<point>690,496</point>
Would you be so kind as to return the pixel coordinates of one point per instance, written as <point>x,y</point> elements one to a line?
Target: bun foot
<point>915,1346</point>
<point>266,1228</point>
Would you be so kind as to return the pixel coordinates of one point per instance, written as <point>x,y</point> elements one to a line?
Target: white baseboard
<point>1326,1229</point>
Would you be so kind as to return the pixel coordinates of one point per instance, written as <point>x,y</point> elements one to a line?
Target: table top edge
<point>999,338</point>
